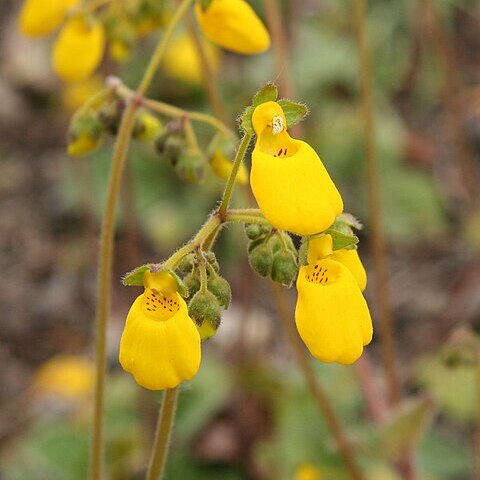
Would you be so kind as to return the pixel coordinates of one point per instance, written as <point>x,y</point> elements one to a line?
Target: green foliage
<point>294,112</point>
<point>268,93</point>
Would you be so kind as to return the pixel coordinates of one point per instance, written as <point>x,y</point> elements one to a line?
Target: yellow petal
<point>160,345</point>
<point>351,260</point>
<point>307,472</point>
<point>40,17</point>
<point>222,167</point>
<point>78,49</point>
<point>319,247</point>
<point>233,25</point>
<point>288,179</point>
<point>83,145</point>
<point>331,315</point>
<point>182,61</point>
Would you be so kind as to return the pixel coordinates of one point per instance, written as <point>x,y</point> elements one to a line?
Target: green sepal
<point>246,120</point>
<point>268,93</point>
<point>294,112</point>
<point>341,240</point>
<point>134,278</point>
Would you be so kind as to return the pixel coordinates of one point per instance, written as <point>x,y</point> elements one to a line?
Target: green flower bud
<point>285,268</point>
<point>160,141</point>
<point>261,260</point>
<point>253,231</point>
<point>212,260</point>
<point>85,134</point>
<point>173,148</point>
<point>221,289</point>
<point>186,265</point>
<point>192,282</point>
<point>190,166</point>
<point>110,115</point>
<point>278,242</point>
<point>254,244</point>
<point>204,309</point>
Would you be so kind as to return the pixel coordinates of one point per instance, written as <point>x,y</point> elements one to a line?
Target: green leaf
<point>406,426</point>
<point>294,112</point>
<point>342,240</point>
<point>134,278</point>
<point>268,93</point>
<point>246,120</point>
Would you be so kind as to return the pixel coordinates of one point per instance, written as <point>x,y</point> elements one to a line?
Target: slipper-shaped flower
<point>233,25</point>
<point>160,345</point>
<point>79,48</point>
<point>292,187</point>
<point>40,17</point>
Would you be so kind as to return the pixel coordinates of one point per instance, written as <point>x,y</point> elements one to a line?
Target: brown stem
<point>208,75</point>
<point>344,447</point>
<point>374,209</point>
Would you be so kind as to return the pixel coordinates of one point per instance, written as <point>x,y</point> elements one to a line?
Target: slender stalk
<point>476,449</point>
<point>163,433</point>
<point>162,46</point>
<point>107,247</point>
<point>240,155</point>
<point>373,199</point>
<point>233,217</point>
<point>323,403</point>
<point>104,283</point>
<point>208,75</point>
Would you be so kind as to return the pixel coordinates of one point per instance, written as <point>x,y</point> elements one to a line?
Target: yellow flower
<point>83,144</point>
<point>233,25</point>
<point>222,167</point>
<point>79,48</point>
<point>40,17</point>
<point>182,61</point>
<point>321,247</point>
<point>68,376</point>
<point>160,345</point>
<point>307,472</point>
<point>332,316</point>
<point>288,179</point>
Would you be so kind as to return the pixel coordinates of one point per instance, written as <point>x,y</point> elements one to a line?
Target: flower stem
<point>239,218</point>
<point>374,209</point>
<point>162,46</point>
<point>162,434</point>
<point>345,449</point>
<point>240,155</point>
<point>107,248</point>
<point>104,283</point>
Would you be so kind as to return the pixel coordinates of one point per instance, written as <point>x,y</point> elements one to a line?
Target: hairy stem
<point>374,209</point>
<point>240,155</point>
<point>163,433</point>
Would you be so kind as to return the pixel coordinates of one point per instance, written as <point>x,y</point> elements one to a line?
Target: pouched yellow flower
<point>288,179</point>
<point>79,48</point>
<point>160,344</point>
<point>331,315</point>
<point>322,247</point>
<point>233,25</point>
<point>222,167</point>
<point>182,62</point>
<point>67,376</point>
<point>307,472</point>
<point>40,17</point>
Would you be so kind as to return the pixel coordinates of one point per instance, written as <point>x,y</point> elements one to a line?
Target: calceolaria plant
<point>185,295</point>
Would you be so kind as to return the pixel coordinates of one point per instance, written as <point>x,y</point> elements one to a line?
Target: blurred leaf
<point>268,93</point>
<point>406,426</point>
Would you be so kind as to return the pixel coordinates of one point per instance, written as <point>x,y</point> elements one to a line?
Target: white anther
<point>277,125</point>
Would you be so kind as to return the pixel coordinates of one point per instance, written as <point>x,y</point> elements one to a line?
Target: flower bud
<point>281,240</point>
<point>85,134</point>
<point>186,264</point>
<point>170,147</point>
<point>204,309</point>
<point>253,231</point>
<point>211,258</point>
<point>190,166</point>
<point>221,289</point>
<point>285,268</point>
<point>261,260</point>
<point>192,282</point>
<point>147,126</point>
<point>110,115</point>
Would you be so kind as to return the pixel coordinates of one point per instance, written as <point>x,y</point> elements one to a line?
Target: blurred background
<point>248,414</point>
